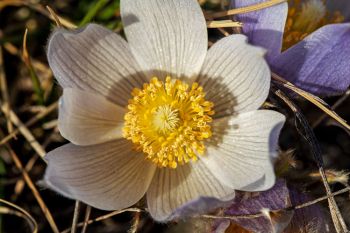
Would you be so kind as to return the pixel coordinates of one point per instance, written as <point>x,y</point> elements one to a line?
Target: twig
<point>334,106</point>
<point>29,123</point>
<point>39,8</point>
<point>313,99</point>
<point>86,218</point>
<point>4,92</point>
<point>310,137</point>
<point>136,223</point>
<point>64,22</point>
<point>54,17</point>
<point>35,192</point>
<point>223,24</point>
<point>75,217</point>
<point>106,216</point>
<point>247,9</point>
<point>20,213</point>
<point>20,183</point>
<point>26,133</point>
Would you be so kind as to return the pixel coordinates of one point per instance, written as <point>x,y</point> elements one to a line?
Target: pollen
<point>304,17</point>
<point>169,121</point>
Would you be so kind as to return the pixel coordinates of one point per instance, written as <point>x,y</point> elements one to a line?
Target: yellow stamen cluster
<point>304,17</point>
<point>168,121</point>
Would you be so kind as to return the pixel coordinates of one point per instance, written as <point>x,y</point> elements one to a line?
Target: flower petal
<point>107,176</point>
<point>235,76</point>
<point>189,189</point>
<point>240,151</point>
<point>264,27</point>
<point>320,63</point>
<point>85,118</point>
<point>94,59</point>
<point>167,37</point>
<point>275,199</point>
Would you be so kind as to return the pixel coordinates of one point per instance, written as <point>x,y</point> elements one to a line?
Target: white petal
<point>168,37</point>
<point>85,118</point>
<point>235,76</point>
<point>94,58</point>
<point>173,188</point>
<point>241,150</point>
<point>107,176</point>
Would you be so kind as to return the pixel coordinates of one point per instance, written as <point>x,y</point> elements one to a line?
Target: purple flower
<point>308,219</point>
<point>274,199</point>
<point>320,63</point>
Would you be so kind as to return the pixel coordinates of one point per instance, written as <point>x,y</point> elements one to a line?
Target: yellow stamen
<point>165,119</point>
<point>305,17</point>
<point>169,121</point>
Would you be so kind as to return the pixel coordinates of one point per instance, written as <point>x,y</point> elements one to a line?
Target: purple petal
<point>264,27</point>
<point>309,219</point>
<point>273,199</point>
<point>201,205</point>
<point>320,63</point>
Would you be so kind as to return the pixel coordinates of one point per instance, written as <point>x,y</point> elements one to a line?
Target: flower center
<point>165,119</point>
<point>305,17</point>
<point>169,121</point>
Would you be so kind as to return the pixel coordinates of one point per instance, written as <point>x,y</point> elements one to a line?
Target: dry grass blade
<point>305,131</point>
<point>106,216</point>
<point>86,218</point>
<point>34,190</point>
<point>39,8</point>
<point>135,224</point>
<point>5,3</point>
<point>223,24</point>
<point>32,121</point>
<point>20,213</point>
<point>20,183</point>
<point>25,132</point>
<point>54,17</point>
<point>34,77</point>
<point>75,217</point>
<point>313,99</point>
<point>334,106</point>
<point>4,92</point>
<point>247,9</point>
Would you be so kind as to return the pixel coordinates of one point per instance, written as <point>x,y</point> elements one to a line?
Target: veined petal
<point>242,147</point>
<point>264,27</point>
<point>235,76</point>
<point>94,59</point>
<point>86,118</point>
<point>107,176</point>
<point>276,198</point>
<point>320,63</point>
<point>188,189</point>
<point>167,37</point>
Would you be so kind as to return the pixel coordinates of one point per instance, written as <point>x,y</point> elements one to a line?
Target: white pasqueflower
<point>160,115</point>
